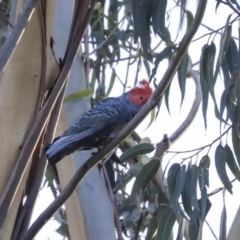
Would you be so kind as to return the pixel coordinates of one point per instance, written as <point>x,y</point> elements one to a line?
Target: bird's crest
<point>140,94</point>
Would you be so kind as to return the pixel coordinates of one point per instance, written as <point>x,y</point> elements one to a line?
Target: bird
<point>100,124</point>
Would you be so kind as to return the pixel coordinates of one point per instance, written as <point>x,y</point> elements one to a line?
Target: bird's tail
<point>62,147</point>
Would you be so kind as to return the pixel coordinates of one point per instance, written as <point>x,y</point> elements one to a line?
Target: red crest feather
<point>140,94</point>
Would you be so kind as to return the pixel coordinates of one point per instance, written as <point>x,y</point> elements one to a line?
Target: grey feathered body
<point>98,126</point>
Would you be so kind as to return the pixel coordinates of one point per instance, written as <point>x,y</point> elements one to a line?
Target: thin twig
<point>116,217</point>
<point>201,148</point>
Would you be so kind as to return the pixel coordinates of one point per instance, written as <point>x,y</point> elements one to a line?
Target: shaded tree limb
<point>85,9</point>
<point>151,103</point>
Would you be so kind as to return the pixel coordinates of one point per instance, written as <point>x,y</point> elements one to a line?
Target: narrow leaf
<point>171,180</point>
<point>182,75</point>
<point>139,149</point>
<point>232,58</point>
<point>162,55</point>
<point>220,162</point>
<point>77,95</point>
<point>112,81</point>
<point>152,117</point>
<point>236,144</point>
<point>186,193</point>
<point>144,177</point>
<point>190,19</point>
<point>141,19</point>
<point>176,178</point>
<point>204,172</point>
<point>204,86</point>
<point>223,223</point>
<point>231,162</point>
<point>166,222</point>
<point>158,17</point>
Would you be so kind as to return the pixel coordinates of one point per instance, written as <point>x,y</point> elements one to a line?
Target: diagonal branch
<point>152,102</point>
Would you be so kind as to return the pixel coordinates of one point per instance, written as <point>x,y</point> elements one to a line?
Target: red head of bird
<point>140,94</point>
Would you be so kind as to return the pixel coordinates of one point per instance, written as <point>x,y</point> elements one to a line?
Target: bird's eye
<point>141,98</point>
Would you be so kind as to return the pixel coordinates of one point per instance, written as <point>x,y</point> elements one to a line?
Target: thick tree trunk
<point>93,200</point>
<point>19,90</point>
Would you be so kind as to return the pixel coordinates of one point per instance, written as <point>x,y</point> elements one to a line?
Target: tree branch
<point>151,103</point>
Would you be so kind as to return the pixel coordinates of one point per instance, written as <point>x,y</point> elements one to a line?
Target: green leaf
<point>223,103</point>
<point>204,171</point>
<point>223,223</point>
<point>204,86</point>
<point>186,193</point>
<point>176,178</point>
<point>151,118</point>
<point>162,55</point>
<point>225,72</point>
<point>220,162</point>
<point>203,203</point>
<point>190,19</point>
<point>151,230</point>
<point>193,226</point>
<point>236,120</point>
<point>77,95</point>
<point>224,44</point>
<point>230,98</point>
<point>193,189</point>
<point>141,22</point>
<point>232,58</point>
<point>236,144</point>
<point>50,176</point>
<point>63,229</point>
<point>139,149</point>
<point>231,162</point>
<point>144,177</point>
<point>166,222</point>
<point>172,172</point>
<point>112,81</point>
<point>158,17</point>
<point>207,70</point>
<point>182,74</point>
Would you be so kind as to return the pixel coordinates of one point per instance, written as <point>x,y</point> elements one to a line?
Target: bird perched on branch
<point>100,124</point>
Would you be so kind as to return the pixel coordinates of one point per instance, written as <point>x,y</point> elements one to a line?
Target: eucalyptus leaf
<point>231,162</point>
<point>166,221</point>
<point>142,148</point>
<point>223,223</point>
<point>236,144</point>
<point>112,81</point>
<point>141,19</point>
<point>77,95</point>
<point>232,58</point>
<point>144,177</point>
<point>158,17</point>
<point>220,162</point>
<point>182,75</point>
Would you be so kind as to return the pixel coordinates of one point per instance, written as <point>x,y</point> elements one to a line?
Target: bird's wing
<point>102,114</point>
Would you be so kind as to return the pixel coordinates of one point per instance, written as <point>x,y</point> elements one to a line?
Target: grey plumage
<point>99,125</point>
